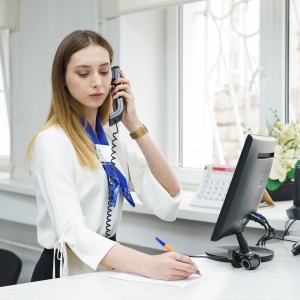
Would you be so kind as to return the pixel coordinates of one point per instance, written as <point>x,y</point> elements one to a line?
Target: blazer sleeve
<point>149,190</point>
<point>52,168</point>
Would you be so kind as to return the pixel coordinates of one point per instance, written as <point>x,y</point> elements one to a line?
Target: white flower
<point>287,150</point>
<point>284,161</point>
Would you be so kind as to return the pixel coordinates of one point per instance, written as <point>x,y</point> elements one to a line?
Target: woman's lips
<point>96,96</point>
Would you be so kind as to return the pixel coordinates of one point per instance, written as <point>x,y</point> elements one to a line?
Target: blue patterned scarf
<point>114,176</point>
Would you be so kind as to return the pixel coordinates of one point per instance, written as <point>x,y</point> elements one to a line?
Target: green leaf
<point>273,185</point>
<point>291,174</point>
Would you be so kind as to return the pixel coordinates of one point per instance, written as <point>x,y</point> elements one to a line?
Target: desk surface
<point>276,279</point>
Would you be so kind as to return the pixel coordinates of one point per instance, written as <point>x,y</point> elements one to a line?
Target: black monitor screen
<point>246,189</point>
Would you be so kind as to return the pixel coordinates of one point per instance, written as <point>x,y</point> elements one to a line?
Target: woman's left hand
<point>122,89</point>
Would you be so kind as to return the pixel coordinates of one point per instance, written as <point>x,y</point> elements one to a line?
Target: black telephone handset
<point>114,118</point>
<point>116,115</point>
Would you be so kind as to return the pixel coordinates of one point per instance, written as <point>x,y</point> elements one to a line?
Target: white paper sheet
<point>177,283</point>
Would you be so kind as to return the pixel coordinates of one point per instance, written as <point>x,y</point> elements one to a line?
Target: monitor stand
<point>221,253</point>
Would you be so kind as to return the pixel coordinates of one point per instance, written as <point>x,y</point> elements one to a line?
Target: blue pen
<point>166,246</point>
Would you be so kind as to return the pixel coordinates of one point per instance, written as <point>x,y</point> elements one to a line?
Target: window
<point>294,61</point>
<point>207,67</point>
<point>4,120</point>
<point>219,87</point>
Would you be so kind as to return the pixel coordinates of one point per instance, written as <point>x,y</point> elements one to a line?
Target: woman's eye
<point>83,74</point>
<point>103,72</point>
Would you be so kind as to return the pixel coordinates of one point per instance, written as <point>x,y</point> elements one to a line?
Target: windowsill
<point>4,175</point>
<point>15,185</point>
<point>276,215</point>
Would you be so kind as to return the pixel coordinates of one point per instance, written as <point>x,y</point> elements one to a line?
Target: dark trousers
<point>44,267</point>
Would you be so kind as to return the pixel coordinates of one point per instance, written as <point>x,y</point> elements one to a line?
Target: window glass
<point>294,60</point>
<point>220,79</point>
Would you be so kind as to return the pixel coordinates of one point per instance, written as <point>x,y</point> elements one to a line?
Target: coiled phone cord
<point>110,184</point>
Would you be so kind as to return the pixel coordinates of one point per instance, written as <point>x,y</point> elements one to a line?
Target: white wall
<point>41,26</point>
<point>143,58</point>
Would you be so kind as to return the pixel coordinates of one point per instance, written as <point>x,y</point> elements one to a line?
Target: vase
<point>283,193</point>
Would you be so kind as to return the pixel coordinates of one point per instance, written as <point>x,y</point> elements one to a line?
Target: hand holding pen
<point>166,246</point>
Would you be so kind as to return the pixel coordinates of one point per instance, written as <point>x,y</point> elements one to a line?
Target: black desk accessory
<point>294,211</point>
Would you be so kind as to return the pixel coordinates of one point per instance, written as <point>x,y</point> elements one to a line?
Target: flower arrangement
<point>287,151</point>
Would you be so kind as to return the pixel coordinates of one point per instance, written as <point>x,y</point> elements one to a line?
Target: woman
<point>70,165</point>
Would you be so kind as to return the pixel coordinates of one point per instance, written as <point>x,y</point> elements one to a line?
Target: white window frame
<point>273,86</point>
<point>272,59</point>
<point>5,161</point>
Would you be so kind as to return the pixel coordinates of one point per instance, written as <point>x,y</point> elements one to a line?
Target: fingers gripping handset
<point>116,115</point>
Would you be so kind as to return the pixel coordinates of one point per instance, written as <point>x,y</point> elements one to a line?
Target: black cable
<point>270,232</point>
<point>110,183</point>
<point>260,241</point>
<point>270,236</point>
<point>258,219</point>
<point>287,228</point>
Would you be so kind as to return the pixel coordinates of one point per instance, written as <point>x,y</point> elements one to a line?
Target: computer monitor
<point>244,196</point>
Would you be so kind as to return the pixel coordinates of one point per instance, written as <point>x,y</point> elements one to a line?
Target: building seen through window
<point>220,79</point>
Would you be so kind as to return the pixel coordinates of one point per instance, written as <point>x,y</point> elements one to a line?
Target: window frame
<point>273,82</point>
<point>5,160</point>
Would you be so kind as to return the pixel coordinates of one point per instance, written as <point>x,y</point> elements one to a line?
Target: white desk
<point>276,279</point>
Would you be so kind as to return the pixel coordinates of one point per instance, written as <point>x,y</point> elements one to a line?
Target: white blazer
<point>72,200</point>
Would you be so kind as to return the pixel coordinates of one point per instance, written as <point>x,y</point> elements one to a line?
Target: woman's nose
<point>96,80</point>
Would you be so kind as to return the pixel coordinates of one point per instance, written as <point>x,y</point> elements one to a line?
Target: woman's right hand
<point>166,266</point>
<point>171,266</point>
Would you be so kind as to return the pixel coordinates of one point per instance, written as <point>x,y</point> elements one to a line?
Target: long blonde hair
<point>65,110</point>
